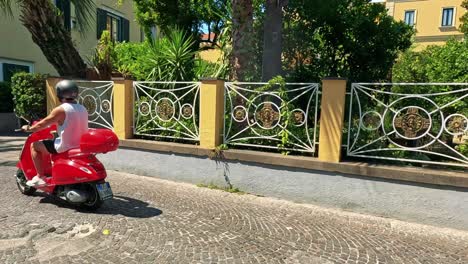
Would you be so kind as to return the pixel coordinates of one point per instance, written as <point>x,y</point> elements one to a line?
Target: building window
<point>114,26</point>
<point>409,17</point>
<point>117,26</point>
<point>9,67</point>
<point>447,17</point>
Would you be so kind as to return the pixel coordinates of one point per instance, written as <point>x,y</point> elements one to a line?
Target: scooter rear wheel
<point>94,202</point>
<point>21,183</point>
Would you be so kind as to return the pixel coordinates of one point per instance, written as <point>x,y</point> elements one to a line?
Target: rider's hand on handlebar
<point>25,128</point>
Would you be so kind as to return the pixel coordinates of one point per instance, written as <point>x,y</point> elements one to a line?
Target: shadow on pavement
<point>119,205</point>
<point>9,163</point>
<point>10,148</point>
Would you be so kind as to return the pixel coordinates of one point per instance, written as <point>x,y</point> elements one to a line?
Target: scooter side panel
<point>73,171</point>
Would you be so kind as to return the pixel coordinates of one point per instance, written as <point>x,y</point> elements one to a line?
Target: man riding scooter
<point>72,121</point>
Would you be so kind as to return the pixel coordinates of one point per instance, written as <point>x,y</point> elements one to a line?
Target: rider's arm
<point>56,116</point>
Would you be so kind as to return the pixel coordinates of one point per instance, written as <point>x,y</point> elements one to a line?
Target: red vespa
<point>76,175</point>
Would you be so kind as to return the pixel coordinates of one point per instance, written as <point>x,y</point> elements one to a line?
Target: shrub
<point>6,98</point>
<point>133,59</point>
<point>104,56</point>
<point>29,95</point>
<point>173,57</point>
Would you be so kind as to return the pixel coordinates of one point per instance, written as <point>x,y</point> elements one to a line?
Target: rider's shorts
<point>49,144</point>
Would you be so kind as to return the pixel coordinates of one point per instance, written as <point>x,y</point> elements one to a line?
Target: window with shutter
<point>125,30</point>
<point>117,26</point>
<point>101,22</point>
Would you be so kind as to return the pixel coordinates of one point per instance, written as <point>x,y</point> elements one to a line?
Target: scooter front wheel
<point>21,183</point>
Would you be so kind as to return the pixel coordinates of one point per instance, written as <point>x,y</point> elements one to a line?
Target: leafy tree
<point>45,23</point>
<point>187,15</point>
<point>355,39</point>
<point>445,63</point>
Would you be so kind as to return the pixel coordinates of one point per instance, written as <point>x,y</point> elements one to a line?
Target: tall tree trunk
<point>272,39</point>
<point>242,39</point>
<point>49,33</point>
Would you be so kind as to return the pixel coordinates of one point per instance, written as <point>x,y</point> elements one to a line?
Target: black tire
<point>94,201</point>
<point>21,183</point>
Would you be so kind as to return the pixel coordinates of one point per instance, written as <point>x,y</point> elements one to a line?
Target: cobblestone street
<point>157,221</point>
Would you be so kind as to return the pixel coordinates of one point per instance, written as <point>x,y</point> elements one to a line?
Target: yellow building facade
<point>19,52</point>
<point>435,21</point>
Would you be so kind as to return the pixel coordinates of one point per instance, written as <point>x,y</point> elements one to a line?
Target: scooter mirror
<point>22,117</point>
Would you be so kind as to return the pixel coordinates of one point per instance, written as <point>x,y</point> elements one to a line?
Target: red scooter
<point>76,175</point>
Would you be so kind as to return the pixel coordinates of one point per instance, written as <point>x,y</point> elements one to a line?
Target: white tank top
<point>74,125</point>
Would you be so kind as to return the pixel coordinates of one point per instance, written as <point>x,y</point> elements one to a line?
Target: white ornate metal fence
<point>411,122</point>
<point>167,109</point>
<point>271,116</point>
<point>97,97</point>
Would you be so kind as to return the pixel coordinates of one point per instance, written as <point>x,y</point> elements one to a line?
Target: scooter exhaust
<point>76,196</point>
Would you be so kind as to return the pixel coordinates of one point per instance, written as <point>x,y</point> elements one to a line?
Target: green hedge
<point>6,98</point>
<point>29,94</point>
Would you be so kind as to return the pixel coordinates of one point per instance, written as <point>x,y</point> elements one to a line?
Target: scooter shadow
<point>119,205</point>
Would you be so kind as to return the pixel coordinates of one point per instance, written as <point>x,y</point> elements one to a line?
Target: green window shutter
<point>125,33</point>
<point>64,7</point>
<point>101,22</point>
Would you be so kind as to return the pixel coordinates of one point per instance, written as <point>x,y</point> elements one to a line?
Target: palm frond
<point>85,13</point>
<point>5,7</point>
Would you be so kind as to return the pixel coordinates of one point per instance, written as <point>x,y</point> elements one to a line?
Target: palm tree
<point>242,39</point>
<point>272,38</point>
<point>46,25</point>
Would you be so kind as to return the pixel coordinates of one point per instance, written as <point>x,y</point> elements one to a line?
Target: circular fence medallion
<point>165,109</point>
<point>412,122</point>
<point>106,106</point>
<point>186,111</point>
<point>371,121</point>
<point>239,113</point>
<point>144,108</point>
<point>268,115</point>
<point>298,117</point>
<point>456,124</point>
<point>89,102</point>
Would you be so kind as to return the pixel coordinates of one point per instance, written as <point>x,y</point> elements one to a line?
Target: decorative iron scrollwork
<point>165,109</point>
<point>187,111</point>
<point>268,115</point>
<point>90,104</point>
<point>412,123</point>
<point>239,114</point>
<point>456,124</point>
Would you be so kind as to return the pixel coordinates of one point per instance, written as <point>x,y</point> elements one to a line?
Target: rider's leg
<point>38,150</point>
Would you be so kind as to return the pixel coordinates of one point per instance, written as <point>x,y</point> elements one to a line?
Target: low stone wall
<point>8,122</point>
<point>445,206</point>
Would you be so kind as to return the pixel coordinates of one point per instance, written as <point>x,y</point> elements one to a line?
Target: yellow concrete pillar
<point>52,100</point>
<point>332,119</point>
<point>123,108</point>
<point>211,113</point>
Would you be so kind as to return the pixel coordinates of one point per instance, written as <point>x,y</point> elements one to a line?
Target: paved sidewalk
<point>157,221</point>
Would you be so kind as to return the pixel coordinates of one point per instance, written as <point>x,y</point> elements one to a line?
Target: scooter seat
<point>74,152</point>
<point>69,153</point>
